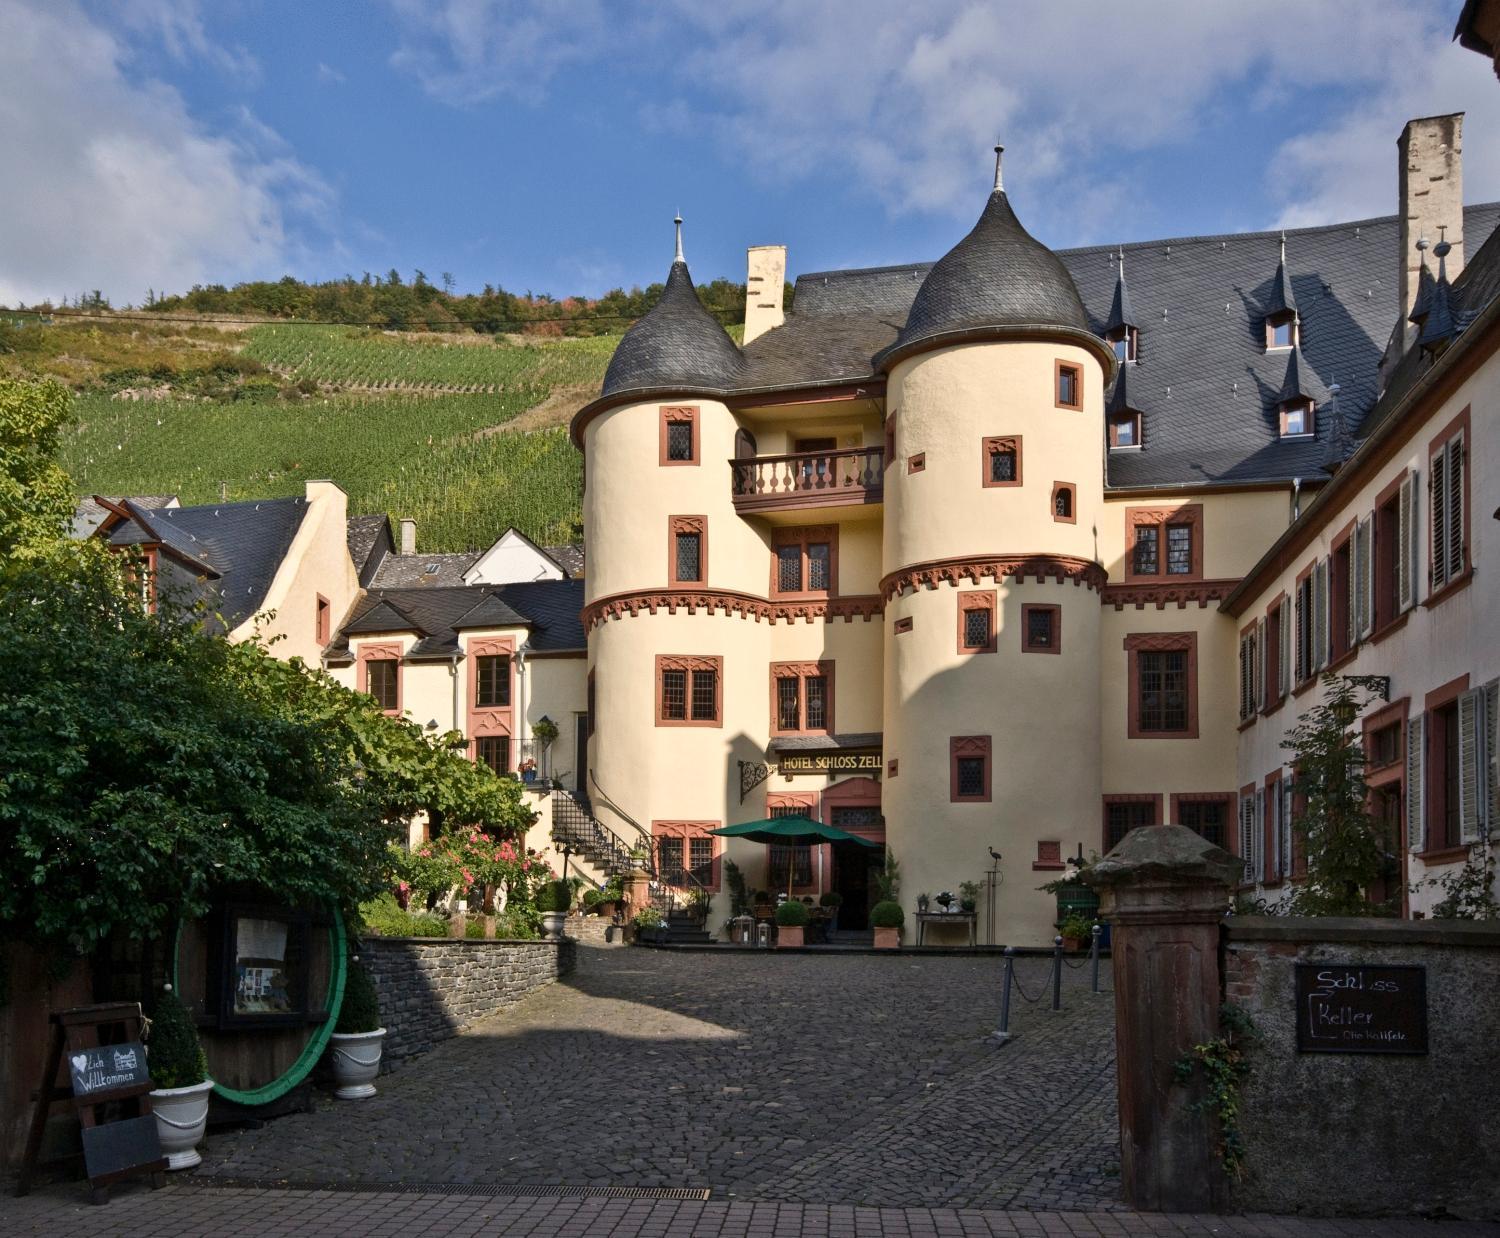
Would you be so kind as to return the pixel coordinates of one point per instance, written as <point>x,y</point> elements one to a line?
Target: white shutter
<point>1364,576</point>
<point>1284,654</point>
<point>1260,834</point>
<point>1416,788</point>
<point>1437,488</point>
<point>1247,840</point>
<point>1259,692</point>
<point>1286,827</point>
<point>1456,462</point>
<point>1470,766</point>
<point>1406,535</point>
<point>1320,615</point>
<point>1490,752</point>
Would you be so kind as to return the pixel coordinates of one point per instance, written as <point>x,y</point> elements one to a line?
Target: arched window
<point>744,445</point>
<point>1062,505</point>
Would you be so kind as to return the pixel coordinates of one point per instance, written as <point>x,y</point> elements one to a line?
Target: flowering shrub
<point>466,858</point>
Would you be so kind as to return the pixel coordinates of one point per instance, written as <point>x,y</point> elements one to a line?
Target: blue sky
<point>545,145</point>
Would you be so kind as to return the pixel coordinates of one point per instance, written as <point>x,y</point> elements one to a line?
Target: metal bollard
<point>1057,973</point>
<point>1002,1034</point>
<point>1094,954</point>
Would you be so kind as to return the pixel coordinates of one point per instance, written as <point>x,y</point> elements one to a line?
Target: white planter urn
<point>181,1118</point>
<point>553,923</point>
<point>356,1062</point>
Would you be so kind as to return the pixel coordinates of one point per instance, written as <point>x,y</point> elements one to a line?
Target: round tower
<point>993,498</point>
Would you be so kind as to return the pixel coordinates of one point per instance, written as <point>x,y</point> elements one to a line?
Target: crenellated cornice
<point>1165,593</point>
<point>974,568</point>
<point>730,602</point>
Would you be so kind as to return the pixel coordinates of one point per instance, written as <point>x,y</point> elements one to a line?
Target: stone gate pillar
<point>1164,891</point>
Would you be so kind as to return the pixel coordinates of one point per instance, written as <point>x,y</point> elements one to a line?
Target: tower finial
<point>1283,246</point>
<point>677,221</point>
<point>999,183</point>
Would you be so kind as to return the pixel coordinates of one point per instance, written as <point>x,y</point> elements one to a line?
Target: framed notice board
<point>1357,1008</point>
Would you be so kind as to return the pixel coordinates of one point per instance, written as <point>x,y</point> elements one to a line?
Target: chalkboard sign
<point>107,1068</point>
<point>118,1147</point>
<point>1353,1008</point>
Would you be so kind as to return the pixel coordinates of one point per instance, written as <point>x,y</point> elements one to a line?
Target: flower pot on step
<point>887,939</point>
<point>181,1116</point>
<point>789,936</point>
<point>355,1057</point>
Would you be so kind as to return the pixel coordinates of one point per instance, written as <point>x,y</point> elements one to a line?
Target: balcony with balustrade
<point>850,477</point>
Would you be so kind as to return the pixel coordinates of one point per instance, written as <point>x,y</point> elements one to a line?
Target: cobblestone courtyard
<point>861,1079</point>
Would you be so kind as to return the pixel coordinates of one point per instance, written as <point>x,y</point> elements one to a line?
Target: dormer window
<point>1124,430</point>
<point>1296,418</point>
<point>1281,331</point>
<point>1123,341</point>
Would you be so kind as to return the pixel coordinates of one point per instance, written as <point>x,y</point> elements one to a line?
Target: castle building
<point>1016,551</point>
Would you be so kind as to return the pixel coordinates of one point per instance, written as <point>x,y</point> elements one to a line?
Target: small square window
<point>1296,418</point>
<point>976,628</point>
<point>1069,386</point>
<point>679,441</point>
<point>1001,460</point>
<point>1040,624</point>
<point>970,777</point>
<point>1281,332</point>
<point>1003,465</point>
<point>1125,430</point>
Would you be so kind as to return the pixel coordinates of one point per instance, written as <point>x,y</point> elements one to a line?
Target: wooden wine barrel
<point>264,982</point>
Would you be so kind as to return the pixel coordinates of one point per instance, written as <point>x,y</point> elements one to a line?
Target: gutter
<point>1350,476</point>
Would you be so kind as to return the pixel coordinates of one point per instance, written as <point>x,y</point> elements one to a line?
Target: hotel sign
<point>791,763</point>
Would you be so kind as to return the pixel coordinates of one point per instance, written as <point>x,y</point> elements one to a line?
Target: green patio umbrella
<point>791,832</point>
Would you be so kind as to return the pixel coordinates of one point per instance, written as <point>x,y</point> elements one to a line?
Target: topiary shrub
<point>555,896</point>
<point>831,898</point>
<point>173,1052</point>
<point>791,914</point>
<point>887,915</point>
<point>361,1009</point>
<point>590,899</point>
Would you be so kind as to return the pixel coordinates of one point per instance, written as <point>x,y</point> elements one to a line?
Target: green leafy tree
<point>36,496</point>
<point>1347,857</point>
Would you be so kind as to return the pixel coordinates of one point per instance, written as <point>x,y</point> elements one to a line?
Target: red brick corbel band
<point>1162,595</point>
<point>729,602</point>
<point>1020,567</point>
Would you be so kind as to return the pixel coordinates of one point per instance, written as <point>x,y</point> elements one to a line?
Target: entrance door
<point>581,754</point>
<point>854,866</point>
<point>1385,812</point>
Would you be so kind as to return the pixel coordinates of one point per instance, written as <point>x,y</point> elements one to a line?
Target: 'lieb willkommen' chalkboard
<point>107,1068</point>
<point>1354,1008</point>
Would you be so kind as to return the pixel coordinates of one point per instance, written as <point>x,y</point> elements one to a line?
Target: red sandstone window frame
<point>688,832</point>
<point>323,620</point>
<point>1048,856</point>
<point>1154,799</point>
<point>676,414</point>
<point>964,748</point>
<point>1160,642</point>
<point>690,663</point>
<point>380,652</point>
<point>902,625</point>
<point>1030,608</point>
<point>805,536</point>
<point>1455,578</point>
<point>917,462</point>
<point>677,526</point>
<point>993,445</point>
<point>1071,490</point>
<point>970,600</point>
<point>1059,366</point>
<point>1162,519</point>
<point>802,672</point>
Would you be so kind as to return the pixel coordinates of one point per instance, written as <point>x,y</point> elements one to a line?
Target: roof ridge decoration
<point>1439,327</point>
<point>1121,314</point>
<point>999,275</point>
<point>1422,306</point>
<point>1281,299</point>
<point>677,343</point>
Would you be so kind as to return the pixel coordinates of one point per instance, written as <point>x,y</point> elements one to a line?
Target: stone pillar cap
<point>1171,853</point>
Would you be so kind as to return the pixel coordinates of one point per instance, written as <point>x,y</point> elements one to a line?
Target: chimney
<point>408,537</point>
<point>1432,196</point>
<point>765,284</point>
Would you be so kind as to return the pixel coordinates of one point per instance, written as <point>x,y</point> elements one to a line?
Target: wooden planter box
<point>887,939</point>
<point>788,936</point>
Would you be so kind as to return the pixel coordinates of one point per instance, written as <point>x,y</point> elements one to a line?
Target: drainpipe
<point>458,696</point>
<point>521,699</point>
<point>1296,498</point>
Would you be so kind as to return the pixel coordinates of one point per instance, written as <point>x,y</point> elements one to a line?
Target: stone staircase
<point>575,829</point>
<point>685,929</point>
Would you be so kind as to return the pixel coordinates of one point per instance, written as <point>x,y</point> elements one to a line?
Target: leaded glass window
<point>788,713</point>
<point>1147,549</point>
<point>1039,625</point>
<point>1179,549</point>
<point>977,628</point>
<point>674,696</point>
<point>789,569</point>
<point>817,565</point>
<point>1003,464</point>
<point>1163,690</point>
<point>971,777</point>
<point>815,689</point>
<point>689,556</point>
<point>705,696</point>
<point>679,440</point>
<point>492,680</point>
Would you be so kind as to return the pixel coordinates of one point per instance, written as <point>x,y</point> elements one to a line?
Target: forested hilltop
<point>418,304</point>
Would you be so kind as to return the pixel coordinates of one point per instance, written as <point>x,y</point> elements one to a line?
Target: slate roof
<point>1121,312</point>
<point>998,275</point>
<point>570,558</point>
<point>437,613</point>
<point>422,570</point>
<point>244,543</point>
<point>370,541</point>
<point>678,343</point>
<point>89,515</point>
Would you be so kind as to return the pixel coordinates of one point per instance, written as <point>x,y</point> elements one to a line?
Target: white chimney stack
<point>408,537</point>
<point>765,286</point>
<point>1432,196</point>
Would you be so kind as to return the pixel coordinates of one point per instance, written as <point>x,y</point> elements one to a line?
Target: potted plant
<point>887,918</point>
<point>791,923</point>
<point>968,895</point>
<point>354,1048</point>
<point>1076,930</point>
<point>553,901</point>
<point>528,769</point>
<point>544,731</point>
<point>648,923</point>
<point>179,1070</point>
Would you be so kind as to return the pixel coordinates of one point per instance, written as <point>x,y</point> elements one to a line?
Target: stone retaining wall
<point>430,987</point>
<point>1370,1134</point>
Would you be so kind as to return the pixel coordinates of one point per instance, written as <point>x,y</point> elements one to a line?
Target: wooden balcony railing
<point>845,478</point>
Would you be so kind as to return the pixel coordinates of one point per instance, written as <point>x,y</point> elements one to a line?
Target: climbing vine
<point>1222,1061</point>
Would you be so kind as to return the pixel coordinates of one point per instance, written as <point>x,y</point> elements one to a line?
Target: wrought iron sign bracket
<point>752,774</point>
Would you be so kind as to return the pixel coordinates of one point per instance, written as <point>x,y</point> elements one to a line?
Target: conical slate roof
<point>1422,306</point>
<point>1120,312</point>
<point>1120,399</point>
<point>677,344</point>
<point>997,276</point>
<point>1439,326</point>
<point>1296,384</point>
<point>1280,299</point>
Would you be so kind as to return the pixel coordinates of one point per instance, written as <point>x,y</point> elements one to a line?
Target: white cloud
<point>329,76</point>
<point>906,99</point>
<point>112,184</point>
